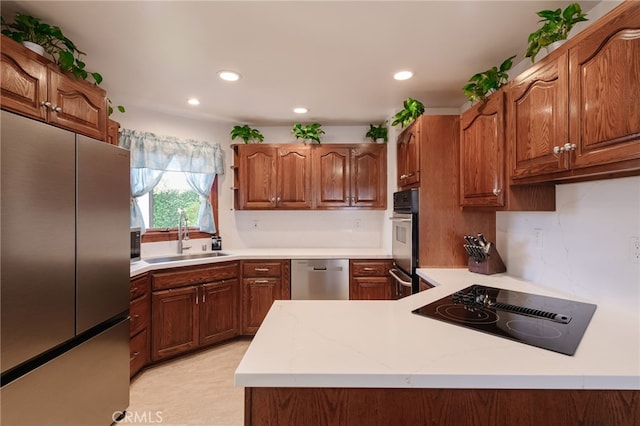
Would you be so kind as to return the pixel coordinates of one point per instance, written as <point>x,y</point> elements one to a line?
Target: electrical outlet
<point>356,224</point>
<point>538,235</point>
<point>634,249</point>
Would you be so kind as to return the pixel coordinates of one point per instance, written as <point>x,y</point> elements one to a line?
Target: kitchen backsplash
<point>582,248</point>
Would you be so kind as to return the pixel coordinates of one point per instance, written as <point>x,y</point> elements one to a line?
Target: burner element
<point>461,313</point>
<point>534,329</point>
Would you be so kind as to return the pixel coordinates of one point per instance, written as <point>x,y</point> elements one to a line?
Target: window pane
<point>173,192</point>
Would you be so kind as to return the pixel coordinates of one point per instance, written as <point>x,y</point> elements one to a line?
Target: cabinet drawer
<point>139,286</point>
<point>138,352</point>
<point>370,268</point>
<point>139,313</point>
<point>262,269</point>
<point>181,277</point>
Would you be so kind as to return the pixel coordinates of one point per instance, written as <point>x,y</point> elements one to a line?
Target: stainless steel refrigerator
<point>64,270</point>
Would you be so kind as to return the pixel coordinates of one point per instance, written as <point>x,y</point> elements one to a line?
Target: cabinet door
<point>24,80</point>
<point>482,153</point>
<point>218,310</point>
<point>258,296</point>
<point>409,155</point>
<point>605,92</point>
<point>331,171</point>
<point>257,179</point>
<point>371,288</point>
<point>77,105</point>
<point>537,120</point>
<point>369,176</point>
<point>294,177</point>
<point>174,322</point>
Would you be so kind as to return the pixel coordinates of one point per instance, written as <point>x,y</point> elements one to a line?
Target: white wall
<point>584,247</point>
<point>278,229</point>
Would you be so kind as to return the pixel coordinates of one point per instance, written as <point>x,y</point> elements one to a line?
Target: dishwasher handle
<point>398,279</point>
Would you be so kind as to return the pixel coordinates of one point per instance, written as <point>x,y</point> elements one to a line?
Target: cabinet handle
<point>261,269</point>
<point>558,149</point>
<point>261,281</point>
<point>570,146</point>
<point>133,290</point>
<point>204,296</point>
<point>135,317</point>
<point>403,176</point>
<point>497,191</point>
<point>368,269</point>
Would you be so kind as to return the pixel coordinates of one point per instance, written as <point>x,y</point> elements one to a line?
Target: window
<point>160,206</point>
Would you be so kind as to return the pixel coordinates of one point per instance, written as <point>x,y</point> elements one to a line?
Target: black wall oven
<point>404,242</point>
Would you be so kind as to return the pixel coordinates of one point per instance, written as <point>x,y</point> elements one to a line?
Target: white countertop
<point>280,253</point>
<point>381,344</point>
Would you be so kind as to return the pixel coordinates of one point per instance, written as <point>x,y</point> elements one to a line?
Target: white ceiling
<point>334,57</point>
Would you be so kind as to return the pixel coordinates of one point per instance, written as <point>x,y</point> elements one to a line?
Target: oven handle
<point>399,219</point>
<point>398,279</point>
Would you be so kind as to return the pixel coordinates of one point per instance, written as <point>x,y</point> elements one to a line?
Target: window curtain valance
<point>169,153</point>
<point>152,155</point>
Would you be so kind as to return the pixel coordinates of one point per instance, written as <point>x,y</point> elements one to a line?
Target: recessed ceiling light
<point>229,75</point>
<point>193,101</point>
<point>300,110</point>
<point>403,75</point>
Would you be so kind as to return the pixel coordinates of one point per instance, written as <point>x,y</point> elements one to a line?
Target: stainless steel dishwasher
<point>320,279</point>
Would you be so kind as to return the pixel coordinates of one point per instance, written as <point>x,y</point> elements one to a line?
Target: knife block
<point>493,264</point>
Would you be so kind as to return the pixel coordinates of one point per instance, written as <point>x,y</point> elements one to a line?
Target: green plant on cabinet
<point>246,133</point>
<point>62,50</point>
<point>308,132</point>
<point>378,132</point>
<point>484,83</point>
<point>413,109</point>
<point>556,26</point>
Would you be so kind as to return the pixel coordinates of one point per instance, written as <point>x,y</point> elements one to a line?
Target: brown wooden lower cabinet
<point>139,312</point>
<point>263,281</point>
<point>370,280</point>
<point>193,307</point>
<point>469,407</point>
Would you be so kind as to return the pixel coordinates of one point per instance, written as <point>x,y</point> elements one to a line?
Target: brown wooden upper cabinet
<point>34,86</point>
<point>483,157</point>
<point>273,176</point>
<point>347,176</point>
<point>408,153</point>
<point>297,176</point>
<point>575,114</point>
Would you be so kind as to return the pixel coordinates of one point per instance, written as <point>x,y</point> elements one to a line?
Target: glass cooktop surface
<point>546,322</point>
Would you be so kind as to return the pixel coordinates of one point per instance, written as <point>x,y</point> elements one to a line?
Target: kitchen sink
<point>184,257</point>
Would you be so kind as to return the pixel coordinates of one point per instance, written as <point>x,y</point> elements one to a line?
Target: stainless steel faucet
<point>183,234</point>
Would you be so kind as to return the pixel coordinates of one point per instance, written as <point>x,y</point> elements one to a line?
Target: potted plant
<point>309,132</point>
<point>484,83</point>
<point>378,133</point>
<point>413,109</point>
<point>65,54</point>
<point>556,26</point>
<point>246,133</point>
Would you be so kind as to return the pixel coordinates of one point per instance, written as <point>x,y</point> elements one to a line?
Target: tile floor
<point>193,390</point>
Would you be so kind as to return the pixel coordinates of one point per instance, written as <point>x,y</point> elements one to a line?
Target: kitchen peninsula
<point>374,362</point>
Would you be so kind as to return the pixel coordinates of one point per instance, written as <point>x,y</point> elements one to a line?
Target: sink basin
<point>184,257</point>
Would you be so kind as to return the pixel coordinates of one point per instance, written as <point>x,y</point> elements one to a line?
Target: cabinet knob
<point>46,104</point>
<point>56,109</point>
<point>558,149</point>
<point>403,176</point>
<point>496,191</point>
<point>273,199</point>
<point>569,146</point>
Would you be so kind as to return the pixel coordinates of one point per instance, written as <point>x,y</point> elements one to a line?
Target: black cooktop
<point>542,321</point>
